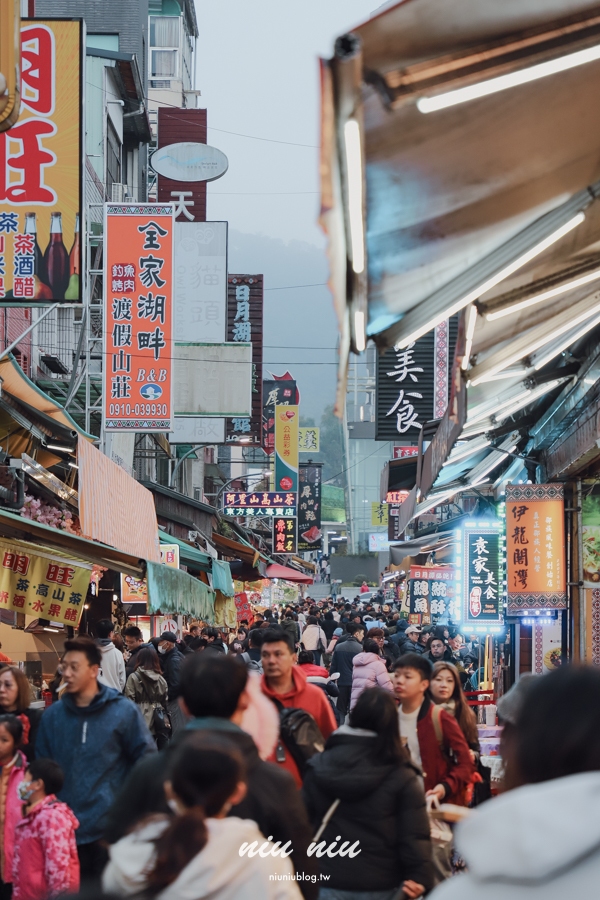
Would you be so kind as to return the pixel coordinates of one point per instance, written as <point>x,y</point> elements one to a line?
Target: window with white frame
<point>165,34</point>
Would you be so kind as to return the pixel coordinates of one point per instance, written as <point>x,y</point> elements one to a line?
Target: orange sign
<point>535,547</point>
<point>138,317</point>
<point>40,170</point>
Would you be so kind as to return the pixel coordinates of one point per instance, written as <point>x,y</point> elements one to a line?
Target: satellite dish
<point>189,161</point>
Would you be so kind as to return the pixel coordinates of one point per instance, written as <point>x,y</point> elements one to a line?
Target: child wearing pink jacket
<point>45,861</point>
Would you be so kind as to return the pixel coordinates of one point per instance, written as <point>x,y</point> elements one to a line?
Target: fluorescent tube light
<point>471,323</point>
<point>546,295</point>
<point>531,348</point>
<point>73,465</point>
<point>469,450</point>
<point>570,340</point>
<point>359,331</point>
<point>355,194</point>
<point>60,448</point>
<point>493,280</point>
<point>526,398</point>
<point>513,79</point>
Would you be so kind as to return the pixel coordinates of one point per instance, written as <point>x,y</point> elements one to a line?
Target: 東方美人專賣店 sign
<point>535,547</point>
<point>138,317</point>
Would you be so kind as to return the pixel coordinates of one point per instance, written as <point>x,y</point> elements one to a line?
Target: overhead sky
<point>257,69</point>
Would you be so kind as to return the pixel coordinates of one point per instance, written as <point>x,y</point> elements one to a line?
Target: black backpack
<point>299,734</point>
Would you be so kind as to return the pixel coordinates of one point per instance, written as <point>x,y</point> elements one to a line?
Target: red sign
<point>189,197</point>
<point>405,452</point>
<point>396,497</point>
<point>138,317</point>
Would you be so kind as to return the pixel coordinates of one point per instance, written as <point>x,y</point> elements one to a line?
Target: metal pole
<point>183,458</point>
<point>27,330</point>
<point>580,588</point>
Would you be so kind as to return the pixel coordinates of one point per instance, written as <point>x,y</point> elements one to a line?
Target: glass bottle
<point>42,291</point>
<point>57,259</point>
<point>72,292</point>
<point>31,228</point>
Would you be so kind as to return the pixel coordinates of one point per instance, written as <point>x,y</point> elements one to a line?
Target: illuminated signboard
<point>259,503</point>
<point>285,533</point>
<point>479,577</point>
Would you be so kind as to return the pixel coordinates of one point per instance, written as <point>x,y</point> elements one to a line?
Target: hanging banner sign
<point>40,170</point>
<point>42,586</point>
<point>259,503</point>
<point>535,546</point>
<point>276,391</point>
<point>479,572</point>
<point>245,324</point>
<point>138,318</point>
<point>379,513</point>
<point>285,533</point>
<point>310,536</point>
<point>431,591</point>
<point>286,448</point>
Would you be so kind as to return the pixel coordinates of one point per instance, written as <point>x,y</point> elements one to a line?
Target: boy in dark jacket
<point>341,661</point>
<point>437,745</point>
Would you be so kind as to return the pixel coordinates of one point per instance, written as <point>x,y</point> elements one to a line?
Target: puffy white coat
<point>218,872</point>
<point>539,842</point>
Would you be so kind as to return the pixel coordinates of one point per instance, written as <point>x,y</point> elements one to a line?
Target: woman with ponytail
<point>196,852</point>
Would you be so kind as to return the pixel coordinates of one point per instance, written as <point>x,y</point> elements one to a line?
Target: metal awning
<point>14,526</point>
<point>487,205</point>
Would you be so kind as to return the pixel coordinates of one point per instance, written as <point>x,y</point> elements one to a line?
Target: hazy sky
<point>258,72</point>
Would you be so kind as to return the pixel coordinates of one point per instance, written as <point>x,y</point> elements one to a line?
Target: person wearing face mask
<point>45,861</point>
<point>171,659</point>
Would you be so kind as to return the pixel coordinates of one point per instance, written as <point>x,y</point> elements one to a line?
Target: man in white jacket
<point>112,670</point>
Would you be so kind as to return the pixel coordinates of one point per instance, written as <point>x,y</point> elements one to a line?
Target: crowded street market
<point>299,450</point>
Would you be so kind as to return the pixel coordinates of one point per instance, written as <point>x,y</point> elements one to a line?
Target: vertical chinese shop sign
<point>286,448</point>
<point>245,324</point>
<point>535,546</point>
<point>285,532</point>
<point>40,170</point>
<point>479,571</point>
<point>310,536</point>
<point>138,317</point>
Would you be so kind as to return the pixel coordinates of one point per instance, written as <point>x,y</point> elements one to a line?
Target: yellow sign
<point>286,448</point>
<point>379,513</point>
<point>42,586</point>
<point>309,439</point>
<point>169,555</point>
<point>40,169</point>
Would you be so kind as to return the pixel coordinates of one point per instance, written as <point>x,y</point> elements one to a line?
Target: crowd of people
<point>300,755</point>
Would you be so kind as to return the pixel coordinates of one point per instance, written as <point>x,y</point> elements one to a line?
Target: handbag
<point>325,820</point>
<point>441,843</point>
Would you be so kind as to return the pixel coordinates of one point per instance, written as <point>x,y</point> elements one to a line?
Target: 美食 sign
<point>479,571</point>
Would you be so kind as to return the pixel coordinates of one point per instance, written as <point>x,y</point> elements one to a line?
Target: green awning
<point>174,591</point>
<point>221,577</point>
<point>189,556</point>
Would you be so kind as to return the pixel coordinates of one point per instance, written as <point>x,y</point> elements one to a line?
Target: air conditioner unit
<point>118,192</point>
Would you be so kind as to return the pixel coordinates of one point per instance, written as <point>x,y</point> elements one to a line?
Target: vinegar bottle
<point>57,259</point>
<point>72,292</point>
<point>31,228</point>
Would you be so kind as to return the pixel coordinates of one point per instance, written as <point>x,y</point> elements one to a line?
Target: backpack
<point>299,734</point>
<point>252,665</point>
